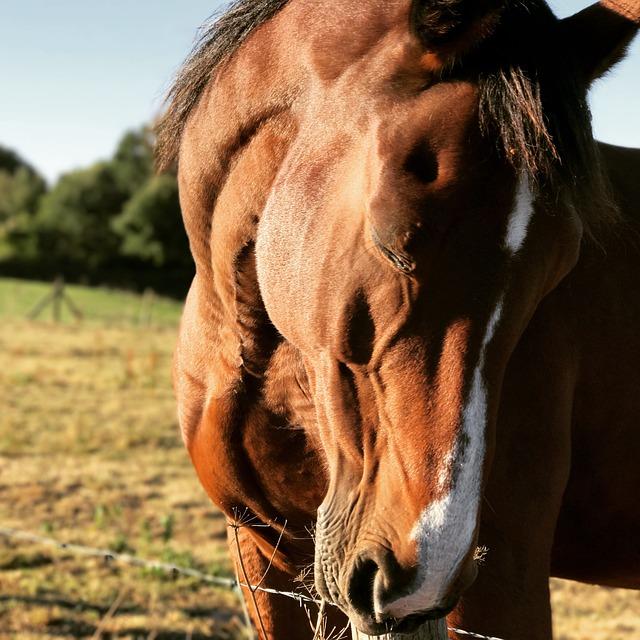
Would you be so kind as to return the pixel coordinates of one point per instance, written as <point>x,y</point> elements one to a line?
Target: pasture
<point>90,453</point>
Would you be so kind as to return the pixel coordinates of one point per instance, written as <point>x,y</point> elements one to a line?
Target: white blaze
<point>520,217</point>
<point>444,532</point>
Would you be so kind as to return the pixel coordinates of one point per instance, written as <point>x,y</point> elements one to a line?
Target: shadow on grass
<point>79,629</point>
<point>63,603</point>
<point>64,626</point>
<point>21,561</point>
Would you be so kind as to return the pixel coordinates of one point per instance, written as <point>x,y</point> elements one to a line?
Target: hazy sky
<point>75,74</point>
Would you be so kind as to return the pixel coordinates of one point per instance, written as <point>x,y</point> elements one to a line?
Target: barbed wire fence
<point>232,584</point>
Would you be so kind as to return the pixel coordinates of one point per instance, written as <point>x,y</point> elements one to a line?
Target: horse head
<point>441,181</point>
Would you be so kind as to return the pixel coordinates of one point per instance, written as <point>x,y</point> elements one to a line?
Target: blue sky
<point>75,74</point>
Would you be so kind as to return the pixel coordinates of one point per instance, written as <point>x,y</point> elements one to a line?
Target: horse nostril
<point>360,590</point>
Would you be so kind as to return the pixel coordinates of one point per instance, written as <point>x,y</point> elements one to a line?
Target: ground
<point>90,453</point>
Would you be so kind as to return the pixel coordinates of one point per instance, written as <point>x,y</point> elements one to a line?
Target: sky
<point>76,74</point>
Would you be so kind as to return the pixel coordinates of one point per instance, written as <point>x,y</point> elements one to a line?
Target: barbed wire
<point>470,634</point>
<point>135,561</point>
<point>232,584</point>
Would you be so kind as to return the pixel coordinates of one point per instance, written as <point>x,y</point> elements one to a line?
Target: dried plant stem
<point>273,555</point>
<point>247,581</point>
<point>115,605</point>
<point>319,632</point>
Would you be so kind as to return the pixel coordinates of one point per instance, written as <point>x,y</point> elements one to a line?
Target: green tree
<point>74,219</point>
<point>20,192</point>
<point>10,161</point>
<point>115,221</point>
<point>21,189</point>
<point>150,226</point>
<point>133,162</point>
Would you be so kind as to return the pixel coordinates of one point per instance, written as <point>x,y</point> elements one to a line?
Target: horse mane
<point>532,100</point>
<point>219,38</point>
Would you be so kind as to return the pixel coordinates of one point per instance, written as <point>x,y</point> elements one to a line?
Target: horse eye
<point>400,261</point>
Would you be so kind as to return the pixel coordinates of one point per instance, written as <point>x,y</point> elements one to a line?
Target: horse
<point>411,340</point>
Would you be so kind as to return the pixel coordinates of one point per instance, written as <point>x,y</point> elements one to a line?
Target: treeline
<point>115,223</point>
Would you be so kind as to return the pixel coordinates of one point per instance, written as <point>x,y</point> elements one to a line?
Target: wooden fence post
<point>56,297</point>
<point>145,311</point>
<point>432,630</point>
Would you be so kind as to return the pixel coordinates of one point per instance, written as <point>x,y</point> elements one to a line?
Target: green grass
<point>19,297</point>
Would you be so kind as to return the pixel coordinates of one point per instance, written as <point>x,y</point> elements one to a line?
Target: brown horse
<point>414,324</point>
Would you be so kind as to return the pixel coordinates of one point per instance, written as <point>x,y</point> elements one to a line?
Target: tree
<point>133,162</point>
<point>21,189</point>
<point>115,222</point>
<point>150,226</point>
<point>10,161</point>
<point>74,219</point>
<point>20,192</point>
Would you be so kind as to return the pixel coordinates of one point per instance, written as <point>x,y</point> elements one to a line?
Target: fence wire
<point>231,584</point>
<point>134,561</point>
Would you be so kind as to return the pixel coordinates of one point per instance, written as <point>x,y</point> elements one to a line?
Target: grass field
<point>90,453</point>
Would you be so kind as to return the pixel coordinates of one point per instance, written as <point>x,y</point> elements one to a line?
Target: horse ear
<point>453,23</point>
<point>600,34</point>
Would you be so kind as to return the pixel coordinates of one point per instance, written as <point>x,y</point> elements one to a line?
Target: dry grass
<point>583,612</point>
<point>90,452</point>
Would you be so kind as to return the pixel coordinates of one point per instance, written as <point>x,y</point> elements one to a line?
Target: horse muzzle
<point>366,584</point>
